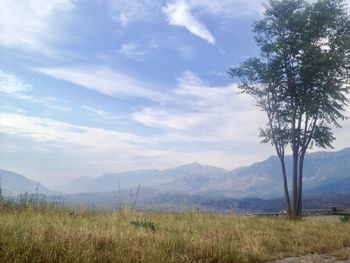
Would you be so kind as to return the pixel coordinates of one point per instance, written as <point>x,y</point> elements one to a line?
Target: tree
<point>300,79</point>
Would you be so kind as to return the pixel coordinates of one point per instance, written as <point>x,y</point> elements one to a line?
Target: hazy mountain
<point>325,172</point>
<point>15,184</point>
<point>258,186</point>
<point>180,179</point>
<point>80,183</point>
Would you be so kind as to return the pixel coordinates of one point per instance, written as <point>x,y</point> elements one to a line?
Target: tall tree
<point>301,80</point>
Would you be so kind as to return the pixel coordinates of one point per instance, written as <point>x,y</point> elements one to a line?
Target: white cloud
<point>45,130</point>
<point>137,51</point>
<point>10,84</point>
<point>179,14</point>
<point>13,86</point>
<point>205,113</point>
<point>126,11</point>
<point>32,24</point>
<point>105,81</point>
<point>133,50</point>
<point>160,118</point>
<point>102,113</point>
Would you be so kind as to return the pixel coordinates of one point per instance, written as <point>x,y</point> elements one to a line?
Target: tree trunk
<point>0,190</point>
<point>285,187</point>
<point>300,183</point>
<point>295,183</point>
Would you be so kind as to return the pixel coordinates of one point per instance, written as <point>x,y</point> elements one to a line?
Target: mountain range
<point>325,173</point>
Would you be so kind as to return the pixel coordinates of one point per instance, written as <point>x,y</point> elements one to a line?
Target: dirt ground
<point>340,256</point>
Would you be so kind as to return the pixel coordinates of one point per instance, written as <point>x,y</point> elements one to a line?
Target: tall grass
<point>55,234</point>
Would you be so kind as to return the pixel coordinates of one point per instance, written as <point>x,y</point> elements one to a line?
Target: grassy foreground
<point>54,234</point>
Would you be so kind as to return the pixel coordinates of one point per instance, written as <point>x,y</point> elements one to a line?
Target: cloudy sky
<point>88,87</point>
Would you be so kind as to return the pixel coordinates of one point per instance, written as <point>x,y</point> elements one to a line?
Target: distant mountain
<point>80,183</point>
<point>183,178</point>
<point>257,187</point>
<point>325,172</point>
<point>15,184</point>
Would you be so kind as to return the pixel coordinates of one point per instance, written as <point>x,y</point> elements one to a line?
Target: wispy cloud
<point>205,113</point>
<point>15,87</point>
<point>161,118</point>
<point>126,11</point>
<point>10,84</point>
<point>45,129</point>
<point>138,51</point>
<point>32,24</point>
<point>179,14</point>
<point>105,81</point>
<point>133,50</point>
<point>102,113</point>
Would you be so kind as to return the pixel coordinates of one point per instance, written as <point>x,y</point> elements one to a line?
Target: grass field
<point>54,234</point>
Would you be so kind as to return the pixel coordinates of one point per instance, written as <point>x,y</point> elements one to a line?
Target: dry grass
<point>342,254</point>
<point>60,235</point>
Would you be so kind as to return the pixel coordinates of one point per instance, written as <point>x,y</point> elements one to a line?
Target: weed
<point>345,218</point>
<point>144,224</point>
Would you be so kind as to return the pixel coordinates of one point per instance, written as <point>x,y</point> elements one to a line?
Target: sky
<point>90,87</point>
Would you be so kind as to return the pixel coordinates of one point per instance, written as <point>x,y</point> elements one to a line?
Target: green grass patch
<point>345,219</point>
<point>144,224</point>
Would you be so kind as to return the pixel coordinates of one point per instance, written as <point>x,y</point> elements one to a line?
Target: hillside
<point>15,184</point>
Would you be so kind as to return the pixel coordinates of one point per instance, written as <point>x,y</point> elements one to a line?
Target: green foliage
<point>345,219</point>
<point>144,224</point>
<point>301,77</point>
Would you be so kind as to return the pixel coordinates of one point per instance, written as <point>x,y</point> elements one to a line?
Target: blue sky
<point>88,87</point>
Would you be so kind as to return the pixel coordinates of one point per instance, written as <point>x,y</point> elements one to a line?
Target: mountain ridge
<point>14,184</point>
<point>325,172</point>
<point>261,178</point>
